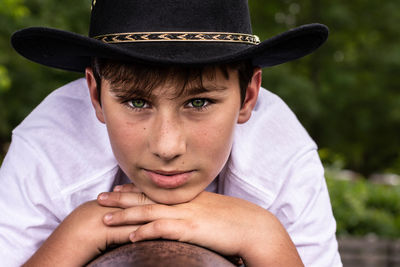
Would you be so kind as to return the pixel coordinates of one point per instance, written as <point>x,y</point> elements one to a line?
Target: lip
<point>168,179</point>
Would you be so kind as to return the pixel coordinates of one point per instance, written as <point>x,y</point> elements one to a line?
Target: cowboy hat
<point>190,32</point>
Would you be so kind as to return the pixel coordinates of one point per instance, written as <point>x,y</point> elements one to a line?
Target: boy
<point>178,118</point>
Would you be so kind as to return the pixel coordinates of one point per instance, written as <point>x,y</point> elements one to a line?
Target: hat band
<point>178,37</point>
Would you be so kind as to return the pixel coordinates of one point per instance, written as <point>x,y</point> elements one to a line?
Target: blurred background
<point>347,95</point>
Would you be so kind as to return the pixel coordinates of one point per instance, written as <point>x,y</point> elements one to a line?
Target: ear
<point>251,96</point>
<point>94,95</point>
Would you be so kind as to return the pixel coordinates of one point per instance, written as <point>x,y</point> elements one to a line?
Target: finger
<point>126,188</point>
<point>184,231</point>
<point>123,200</point>
<point>143,214</point>
<point>120,235</point>
<point>163,228</point>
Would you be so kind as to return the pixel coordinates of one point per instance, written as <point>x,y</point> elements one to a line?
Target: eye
<point>137,104</point>
<point>199,103</point>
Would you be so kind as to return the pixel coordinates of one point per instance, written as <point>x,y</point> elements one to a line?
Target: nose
<point>167,138</point>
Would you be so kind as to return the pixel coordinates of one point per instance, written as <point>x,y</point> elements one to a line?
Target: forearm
<point>274,254</point>
<point>269,247</point>
<point>68,245</point>
<point>79,238</point>
<point>62,250</point>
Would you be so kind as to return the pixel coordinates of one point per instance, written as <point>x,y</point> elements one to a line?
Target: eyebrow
<point>196,90</point>
<point>129,92</point>
<point>190,91</point>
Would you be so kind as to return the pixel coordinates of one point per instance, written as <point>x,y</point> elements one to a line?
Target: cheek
<point>213,140</point>
<point>125,138</point>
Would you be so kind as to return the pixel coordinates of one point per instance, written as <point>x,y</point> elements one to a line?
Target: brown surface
<point>160,253</point>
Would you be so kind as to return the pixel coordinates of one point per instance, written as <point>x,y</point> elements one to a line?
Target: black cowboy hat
<point>188,32</point>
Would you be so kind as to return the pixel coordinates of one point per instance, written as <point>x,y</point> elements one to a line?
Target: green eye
<point>138,103</point>
<point>198,103</point>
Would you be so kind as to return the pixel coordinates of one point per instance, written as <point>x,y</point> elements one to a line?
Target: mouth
<point>168,179</point>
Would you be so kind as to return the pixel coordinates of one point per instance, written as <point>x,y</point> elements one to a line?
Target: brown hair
<point>130,75</point>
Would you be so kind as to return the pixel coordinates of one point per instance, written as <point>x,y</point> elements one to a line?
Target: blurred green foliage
<point>24,84</point>
<point>361,207</point>
<point>346,94</point>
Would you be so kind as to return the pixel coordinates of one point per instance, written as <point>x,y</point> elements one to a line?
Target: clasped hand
<point>228,225</point>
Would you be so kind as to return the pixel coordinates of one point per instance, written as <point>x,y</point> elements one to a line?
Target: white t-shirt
<point>60,157</point>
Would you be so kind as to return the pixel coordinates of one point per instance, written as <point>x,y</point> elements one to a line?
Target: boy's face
<point>172,147</point>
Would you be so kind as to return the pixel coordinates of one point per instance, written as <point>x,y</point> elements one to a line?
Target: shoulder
<point>272,118</point>
<point>66,139</point>
<point>59,158</point>
<point>265,149</point>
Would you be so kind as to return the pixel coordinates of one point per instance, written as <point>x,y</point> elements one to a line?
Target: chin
<point>171,197</point>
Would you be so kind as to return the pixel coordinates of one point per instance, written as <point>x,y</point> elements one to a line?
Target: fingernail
<point>132,237</point>
<point>117,188</point>
<point>103,196</point>
<point>108,217</point>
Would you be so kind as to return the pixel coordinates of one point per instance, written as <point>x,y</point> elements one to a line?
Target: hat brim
<point>73,52</point>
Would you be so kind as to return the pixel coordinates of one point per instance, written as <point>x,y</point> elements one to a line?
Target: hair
<point>131,75</point>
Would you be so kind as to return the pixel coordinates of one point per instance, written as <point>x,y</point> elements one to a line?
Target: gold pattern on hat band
<point>178,37</point>
<point>93,4</point>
